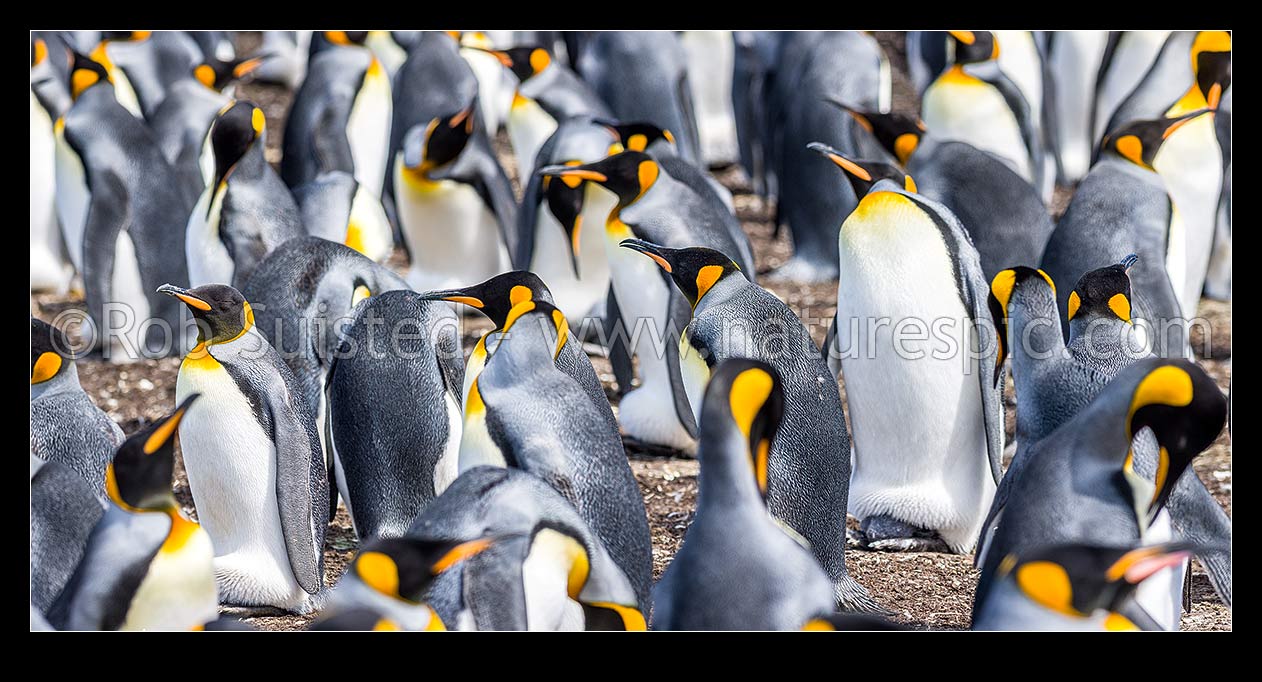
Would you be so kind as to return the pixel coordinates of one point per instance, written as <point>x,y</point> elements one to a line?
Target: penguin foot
<point>910,545</point>
<point>637,446</point>
<point>887,534</point>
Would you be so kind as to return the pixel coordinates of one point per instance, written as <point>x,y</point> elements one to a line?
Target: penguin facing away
<point>64,510</point>
<point>253,456</point>
<point>335,206</point>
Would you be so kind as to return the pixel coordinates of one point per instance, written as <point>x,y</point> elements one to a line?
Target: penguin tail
<point>854,598</point>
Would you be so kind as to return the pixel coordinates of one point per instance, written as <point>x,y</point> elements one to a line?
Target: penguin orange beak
<point>461,552</point>
<point>842,162</point>
<point>184,295</point>
<point>1183,120</point>
<point>572,172</point>
<point>649,249</point>
<point>461,296</point>
<point>166,430</point>
<point>506,60</point>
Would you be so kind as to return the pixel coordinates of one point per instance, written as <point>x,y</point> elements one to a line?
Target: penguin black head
<point>749,395</point>
<point>899,134</point>
<point>864,174</point>
<point>1001,288</point>
<point>1211,61</point>
<point>439,143</point>
<point>1185,410</point>
<point>627,174</point>
<point>216,74</point>
<point>524,61</point>
<point>972,47</point>
<point>565,202</point>
<point>1139,141</point>
<point>139,478</point>
<point>497,296</point>
<point>125,36</point>
<point>51,351</point>
<point>1079,580</point>
<point>1104,291</point>
<point>695,269</point>
<point>346,37</point>
<point>232,134</point>
<point>222,313</point>
<point>636,136</point>
<point>85,73</point>
<point>403,568</point>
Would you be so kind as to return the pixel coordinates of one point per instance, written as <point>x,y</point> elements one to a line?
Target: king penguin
<point>738,569</point>
<point>711,59</point>
<point>548,571</point>
<point>524,412</point>
<point>105,53</point>
<point>340,120</point>
<point>286,57</point>
<point>1074,59</point>
<point>655,207</point>
<point>64,510</point>
<point>255,467</point>
<point>394,410</point>
<point>807,469</point>
<point>337,207</point>
<point>1003,214</point>
<point>1127,57</point>
<point>246,211</point>
<point>50,269</point>
<point>66,426</point>
<point>928,426</point>
<point>116,203</point>
<point>146,566</point>
<point>495,86</point>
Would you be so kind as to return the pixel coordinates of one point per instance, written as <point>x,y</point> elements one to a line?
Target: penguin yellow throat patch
<point>880,205</point>
<point>417,179</point>
<point>1191,100</point>
<point>355,237</point>
<point>181,531</point>
<point>617,230</point>
<point>956,75</point>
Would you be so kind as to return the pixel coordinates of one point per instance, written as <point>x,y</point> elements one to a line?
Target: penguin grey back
<point>315,129</point>
<point>64,509</point>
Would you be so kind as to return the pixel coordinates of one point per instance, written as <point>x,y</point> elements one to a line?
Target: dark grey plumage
<point>754,66</point>
<point>181,124</point>
<point>434,81</point>
<point>315,128</point>
<point>1166,80</point>
<point>63,512</point>
<point>68,428</point>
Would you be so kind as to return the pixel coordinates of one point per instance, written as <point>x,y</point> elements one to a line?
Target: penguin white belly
<point>368,128</point>
<point>1161,594</point>
<point>126,342</point>
<point>448,465</point>
<point>1176,255</point>
<point>885,84</point>
<point>206,160</point>
<point>646,413</point>
<point>494,95</point>
<point>575,296</point>
<point>1133,55</point>
<point>73,195</point>
<point>918,424</point>
<point>545,578</point>
<point>1190,163</point>
<point>477,447</point>
<point>1075,62</point>
<point>964,108</point>
<point>1019,60</point>
<point>125,93</point>
<point>231,465</point>
<point>711,55</point>
<point>178,592</point>
<point>529,126</point>
<point>208,259</point>
<point>695,373</point>
<point>387,52</point>
<point>368,231</point>
<point>49,270</point>
<point>452,235</point>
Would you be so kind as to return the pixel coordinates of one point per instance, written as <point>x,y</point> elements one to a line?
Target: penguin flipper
<point>679,314</point>
<point>1021,111</point>
<point>616,342</point>
<point>832,355</point>
<point>450,361</point>
<point>1195,516</point>
<point>494,588</point>
<point>106,218</point>
<point>330,144</point>
<point>492,185</point>
<point>527,216</point>
<point>688,111</point>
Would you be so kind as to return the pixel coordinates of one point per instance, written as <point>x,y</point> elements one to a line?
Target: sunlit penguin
<point>337,207</point>
<point>50,269</point>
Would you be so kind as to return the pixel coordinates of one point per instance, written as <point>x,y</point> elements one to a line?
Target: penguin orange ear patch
<point>1166,385</point>
<point>519,294</point>
<point>1130,147</point>
<point>205,75</point>
<point>1001,286</point>
<point>706,278</point>
<point>258,120</point>
<point>379,572</point>
<point>539,60</point>
<point>46,367</point>
<point>1048,584</point>
<point>637,142</point>
<point>1075,302</point>
<point>1121,306</point>
<point>81,80</point>
<point>904,145</point>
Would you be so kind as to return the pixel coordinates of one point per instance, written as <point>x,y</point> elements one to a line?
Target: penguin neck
<point>1034,331</point>
<point>722,291</point>
<point>1099,330</point>
<point>66,381</point>
<point>1104,342</point>
<point>726,480</point>
<point>252,163</point>
<point>524,348</point>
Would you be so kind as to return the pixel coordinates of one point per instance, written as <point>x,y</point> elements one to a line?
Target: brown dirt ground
<point>924,590</point>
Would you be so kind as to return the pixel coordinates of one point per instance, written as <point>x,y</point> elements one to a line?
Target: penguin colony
<point>489,486</point>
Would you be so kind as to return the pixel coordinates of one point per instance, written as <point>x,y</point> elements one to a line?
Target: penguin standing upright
<point>754,63</point>
<point>548,570</point>
<point>106,51</point>
<point>737,568</point>
<point>116,203</point>
<point>253,457</point>
<point>977,102</point>
<point>1074,60</point>
<point>50,271</point>
<point>495,88</point>
<point>433,82</point>
<point>711,56</point>
<point>1003,214</point>
<point>808,466</point>
<point>1127,57</point>
<point>1122,207</point>
<point>246,211</point>
<point>340,120</point>
<point>524,412</point>
<point>655,207</point>
<point>286,61</point>
<point>337,207</point>
<point>394,410</point>
<point>146,566</point>
<point>66,427</point>
<point>928,428</point>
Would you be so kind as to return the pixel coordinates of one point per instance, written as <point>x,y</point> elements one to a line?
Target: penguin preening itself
<point>496,299</point>
<point>340,120</point>
<point>64,510</point>
<point>66,426</point>
<point>146,566</point>
<point>976,102</point>
<point>246,211</point>
<point>391,575</point>
<point>1002,212</point>
<point>928,427</point>
<point>522,411</point>
<point>1122,207</point>
<point>253,458</point>
<point>652,206</point>
<point>1076,587</point>
<point>548,572</point>
<point>337,207</point>
<point>1079,483</point>
<point>116,203</point>
<point>737,568</point>
<point>394,410</point>
<point>807,468</point>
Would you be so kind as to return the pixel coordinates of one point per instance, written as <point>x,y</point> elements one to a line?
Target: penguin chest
<point>368,128</point>
<point>1190,164</point>
<point>695,373</point>
<point>1161,594</point>
<point>546,582</point>
<point>368,229</point>
<point>960,107</point>
<point>452,235</point>
<point>576,296</point>
<point>208,259</point>
<point>477,447</point>
<point>179,590</point>
<point>73,195</point>
<point>448,465</point>
<point>127,292</point>
<point>529,126</point>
